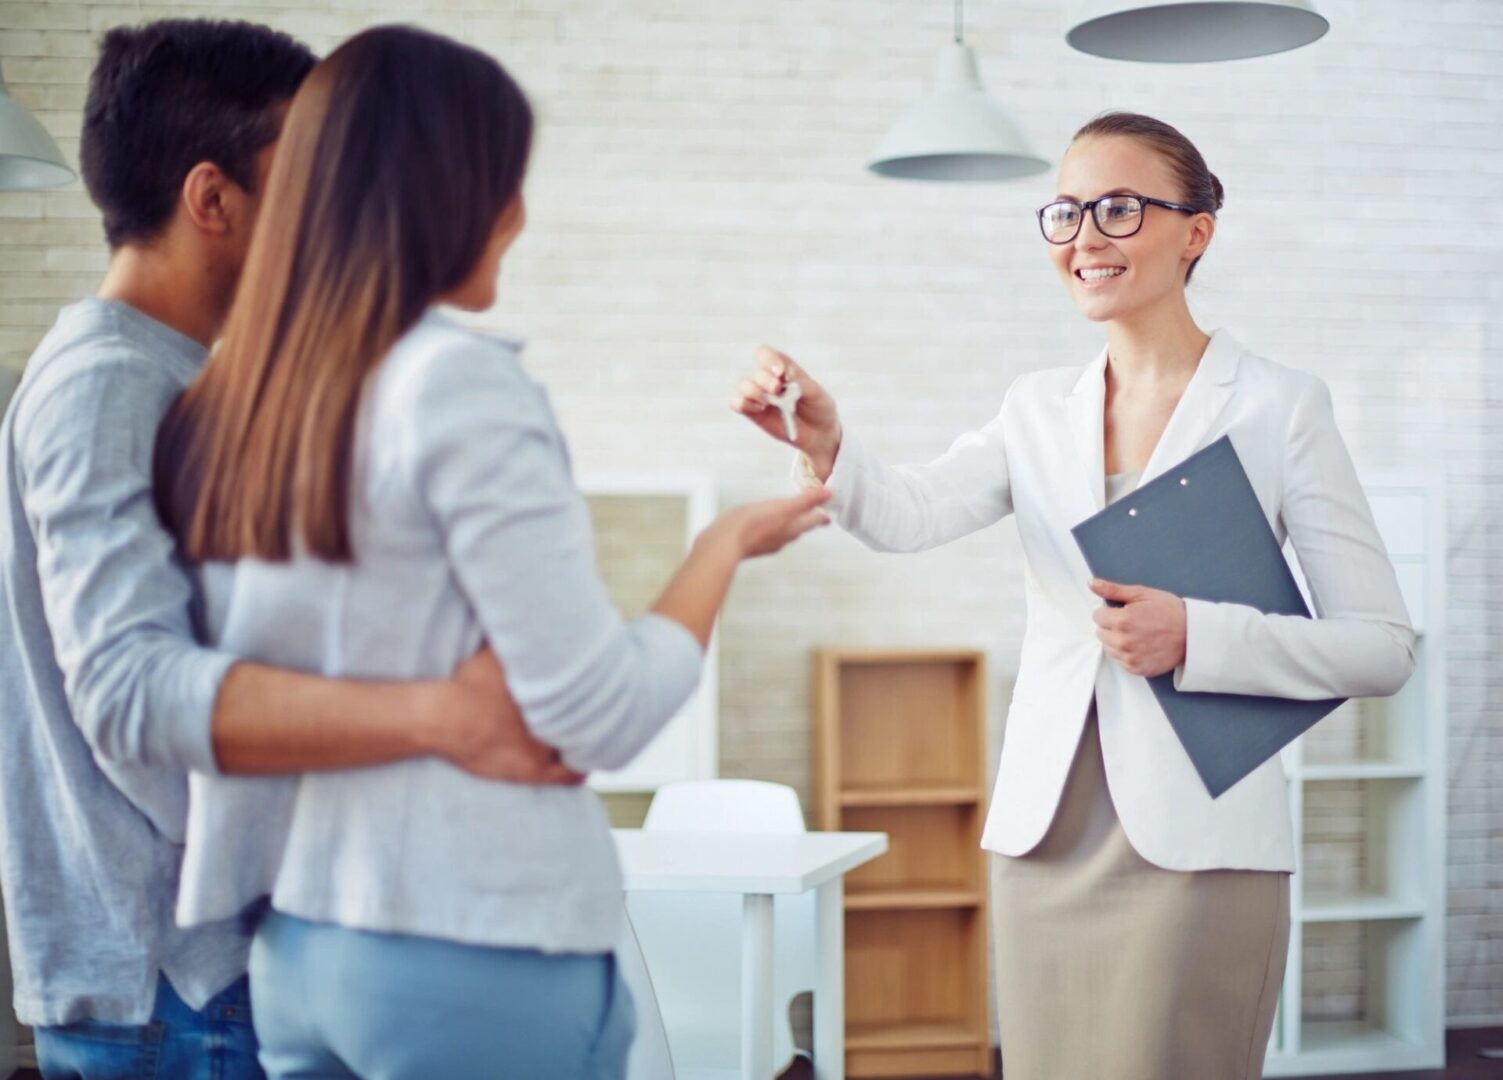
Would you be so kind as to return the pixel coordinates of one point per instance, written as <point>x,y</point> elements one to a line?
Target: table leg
<point>756,987</point>
<point>829,988</point>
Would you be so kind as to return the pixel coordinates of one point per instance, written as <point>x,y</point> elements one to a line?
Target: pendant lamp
<point>957,132</point>
<point>29,158</point>
<point>1186,32</point>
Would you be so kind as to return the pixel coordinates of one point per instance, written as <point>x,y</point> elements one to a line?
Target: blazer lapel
<point>1087,407</point>
<point>1204,398</point>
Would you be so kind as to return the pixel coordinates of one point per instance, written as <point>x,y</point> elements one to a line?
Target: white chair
<point>725,806</point>
<point>650,1058</point>
<point>693,942</point>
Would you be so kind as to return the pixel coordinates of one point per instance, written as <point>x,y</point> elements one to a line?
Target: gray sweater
<point>106,700</point>
<point>467,528</point>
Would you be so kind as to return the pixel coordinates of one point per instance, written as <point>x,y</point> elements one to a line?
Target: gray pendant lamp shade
<point>957,132</point>
<point>1186,32</point>
<point>28,156</point>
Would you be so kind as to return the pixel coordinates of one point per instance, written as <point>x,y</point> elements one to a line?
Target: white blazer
<point>1042,459</point>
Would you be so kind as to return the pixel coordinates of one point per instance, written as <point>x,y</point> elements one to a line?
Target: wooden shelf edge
<point>938,795</point>
<point>924,655</point>
<point>914,1036</point>
<point>900,899</point>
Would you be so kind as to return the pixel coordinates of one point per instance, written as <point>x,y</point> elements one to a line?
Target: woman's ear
<point>1202,228</point>
<point>513,217</point>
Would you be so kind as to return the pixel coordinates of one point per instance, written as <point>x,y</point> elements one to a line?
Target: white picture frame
<point>688,748</point>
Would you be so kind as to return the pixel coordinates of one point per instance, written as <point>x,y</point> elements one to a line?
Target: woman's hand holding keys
<point>816,427</point>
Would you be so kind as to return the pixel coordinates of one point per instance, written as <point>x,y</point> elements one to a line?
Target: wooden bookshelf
<point>899,747</point>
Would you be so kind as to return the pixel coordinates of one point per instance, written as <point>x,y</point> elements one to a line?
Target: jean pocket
<point>618,1026</point>
<point>150,1034</point>
<point>100,1051</point>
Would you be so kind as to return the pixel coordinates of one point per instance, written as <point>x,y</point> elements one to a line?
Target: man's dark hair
<point>167,95</point>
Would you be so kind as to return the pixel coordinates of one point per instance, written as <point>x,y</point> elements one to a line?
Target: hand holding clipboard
<point>1198,531</point>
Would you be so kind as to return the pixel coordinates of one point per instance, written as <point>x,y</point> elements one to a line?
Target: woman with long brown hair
<point>372,490</point>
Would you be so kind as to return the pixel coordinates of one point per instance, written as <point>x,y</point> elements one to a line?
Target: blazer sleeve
<point>1361,642</point>
<point>916,507</point>
<point>493,470</point>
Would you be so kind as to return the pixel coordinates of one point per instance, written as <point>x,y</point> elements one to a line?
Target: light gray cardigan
<point>467,528</point>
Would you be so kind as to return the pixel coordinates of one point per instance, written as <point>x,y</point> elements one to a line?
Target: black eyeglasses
<point>1116,216</point>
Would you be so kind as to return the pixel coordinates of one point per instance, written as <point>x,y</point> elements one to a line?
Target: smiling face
<point>1113,278</point>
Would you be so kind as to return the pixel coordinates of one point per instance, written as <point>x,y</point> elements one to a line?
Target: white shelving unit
<point>1367,787</point>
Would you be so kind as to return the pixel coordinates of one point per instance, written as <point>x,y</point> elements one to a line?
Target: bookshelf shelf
<point>899,748</point>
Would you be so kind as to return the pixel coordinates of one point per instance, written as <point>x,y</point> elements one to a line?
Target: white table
<point>759,868</point>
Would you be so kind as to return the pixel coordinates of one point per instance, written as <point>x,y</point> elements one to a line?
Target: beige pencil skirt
<point>1111,968</point>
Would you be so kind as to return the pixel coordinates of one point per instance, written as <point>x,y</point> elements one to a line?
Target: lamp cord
<point>959,30</point>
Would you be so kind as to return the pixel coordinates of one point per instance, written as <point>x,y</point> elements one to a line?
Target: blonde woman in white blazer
<point>1143,925</point>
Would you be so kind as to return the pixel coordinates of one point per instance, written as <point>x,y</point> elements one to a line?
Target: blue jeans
<point>177,1043</point>
<point>339,1004</point>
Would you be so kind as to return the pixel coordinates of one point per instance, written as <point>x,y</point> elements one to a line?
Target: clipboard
<point>1198,531</point>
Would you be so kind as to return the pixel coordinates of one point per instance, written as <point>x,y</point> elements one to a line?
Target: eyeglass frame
<point>1090,207</point>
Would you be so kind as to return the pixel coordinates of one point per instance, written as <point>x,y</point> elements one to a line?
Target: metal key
<point>787,404</point>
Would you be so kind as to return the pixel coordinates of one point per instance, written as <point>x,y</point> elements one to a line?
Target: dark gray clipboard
<point>1198,531</point>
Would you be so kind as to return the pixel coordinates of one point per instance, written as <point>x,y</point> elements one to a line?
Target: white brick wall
<point>698,188</point>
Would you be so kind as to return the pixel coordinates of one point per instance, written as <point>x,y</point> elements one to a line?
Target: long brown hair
<point>399,154</point>
<point>1199,186</point>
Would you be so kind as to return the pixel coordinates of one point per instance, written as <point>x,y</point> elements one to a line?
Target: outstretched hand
<point>766,527</point>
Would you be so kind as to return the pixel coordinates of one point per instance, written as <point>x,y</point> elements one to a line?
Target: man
<point>105,699</point>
